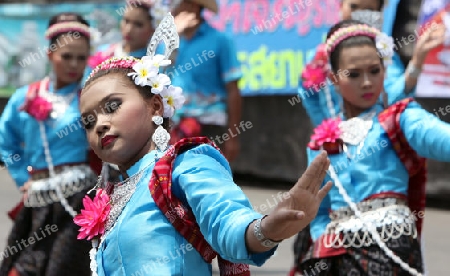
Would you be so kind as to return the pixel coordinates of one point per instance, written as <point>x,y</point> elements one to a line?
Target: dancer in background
<point>370,223</point>
<point>44,145</point>
<point>324,103</point>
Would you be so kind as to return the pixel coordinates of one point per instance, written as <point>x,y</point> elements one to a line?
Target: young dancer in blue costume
<point>321,103</point>
<point>370,223</point>
<point>140,229</point>
<point>324,103</point>
<point>45,149</point>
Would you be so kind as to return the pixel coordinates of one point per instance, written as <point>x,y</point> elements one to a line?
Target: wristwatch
<point>413,71</point>
<point>260,237</point>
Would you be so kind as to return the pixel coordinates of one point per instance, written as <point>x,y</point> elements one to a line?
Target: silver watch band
<point>260,237</point>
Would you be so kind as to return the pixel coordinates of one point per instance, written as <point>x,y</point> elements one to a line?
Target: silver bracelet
<point>260,237</point>
<point>413,71</point>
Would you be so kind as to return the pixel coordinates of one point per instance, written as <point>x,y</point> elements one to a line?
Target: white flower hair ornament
<point>383,42</point>
<point>146,70</point>
<point>385,46</point>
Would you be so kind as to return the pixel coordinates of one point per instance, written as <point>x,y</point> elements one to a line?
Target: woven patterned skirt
<point>367,261</point>
<point>43,242</point>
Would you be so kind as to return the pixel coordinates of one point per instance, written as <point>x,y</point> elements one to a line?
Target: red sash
<point>181,217</point>
<point>415,165</point>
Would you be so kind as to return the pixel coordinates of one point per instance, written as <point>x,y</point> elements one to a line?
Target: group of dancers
<point>126,199</point>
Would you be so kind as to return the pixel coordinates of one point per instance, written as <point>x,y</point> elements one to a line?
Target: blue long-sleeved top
<point>143,242</point>
<point>21,143</point>
<point>377,168</point>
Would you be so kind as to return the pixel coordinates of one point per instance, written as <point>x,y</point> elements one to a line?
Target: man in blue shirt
<point>207,68</point>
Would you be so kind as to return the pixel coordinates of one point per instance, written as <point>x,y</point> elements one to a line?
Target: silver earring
<point>160,137</point>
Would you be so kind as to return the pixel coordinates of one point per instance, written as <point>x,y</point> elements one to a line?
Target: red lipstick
<point>368,96</point>
<point>107,140</point>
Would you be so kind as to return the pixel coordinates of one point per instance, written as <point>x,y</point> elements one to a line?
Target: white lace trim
<point>392,222</point>
<point>71,180</point>
<point>370,226</point>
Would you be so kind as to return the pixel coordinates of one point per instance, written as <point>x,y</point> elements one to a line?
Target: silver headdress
<point>165,32</point>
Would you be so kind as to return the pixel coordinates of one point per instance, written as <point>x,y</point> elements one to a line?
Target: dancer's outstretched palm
<point>294,213</point>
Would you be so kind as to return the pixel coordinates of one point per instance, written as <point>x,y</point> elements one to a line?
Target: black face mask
<point>371,18</point>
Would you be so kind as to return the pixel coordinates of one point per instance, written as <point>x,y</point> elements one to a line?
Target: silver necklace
<point>60,103</point>
<point>122,193</point>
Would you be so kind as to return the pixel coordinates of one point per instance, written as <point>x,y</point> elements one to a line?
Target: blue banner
<point>273,38</point>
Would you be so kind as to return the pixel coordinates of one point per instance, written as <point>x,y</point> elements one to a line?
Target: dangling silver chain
<point>51,169</point>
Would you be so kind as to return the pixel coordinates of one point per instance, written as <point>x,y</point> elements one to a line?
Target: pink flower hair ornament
<point>68,26</point>
<point>114,62</point>
<point>343,33</point>
<point>384,43</point>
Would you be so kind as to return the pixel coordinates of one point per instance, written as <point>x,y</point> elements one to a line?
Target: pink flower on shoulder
<point>315,73</point>
<point>97,59</point>
<point>327,132</point>
<point>321,53</point>
<point>313,76</point>
<point>93,217</point>
<point>39,108</point>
